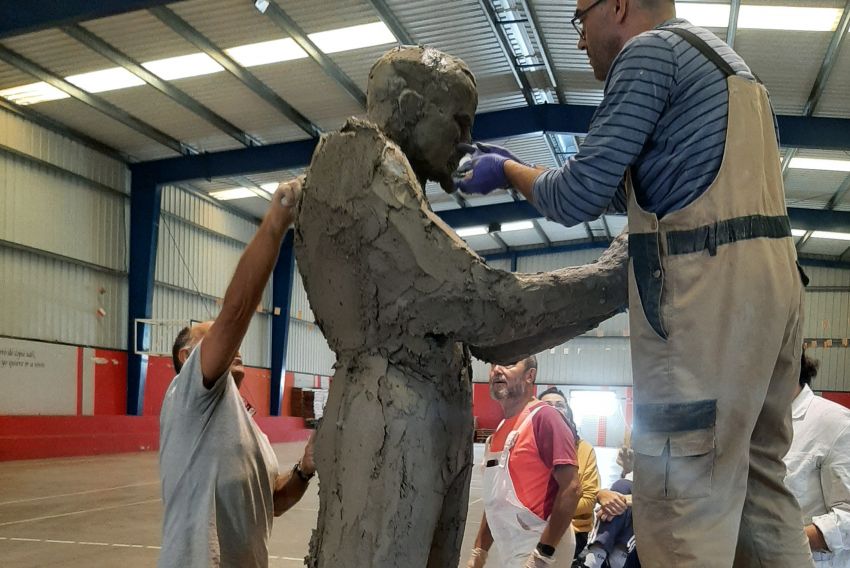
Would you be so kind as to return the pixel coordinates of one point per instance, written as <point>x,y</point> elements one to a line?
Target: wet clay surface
<point>399,298</point>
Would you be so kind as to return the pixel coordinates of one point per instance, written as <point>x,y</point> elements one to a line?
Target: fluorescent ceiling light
<point>792,18</point>
<point>797,232</point>
<point>704,15</point>
<point>105,80</point>
<point>517,226</point>
<point>820,164</point>
<point>270,187</point>
<point>472,231</point>
<point>197,64</point>
<point>354,37</point>
<point>789,18</point>
<point>33,93</point>
<point>829,235</point>
<point>183,66</point>
<point>266,52</point>
<point>236,193</point>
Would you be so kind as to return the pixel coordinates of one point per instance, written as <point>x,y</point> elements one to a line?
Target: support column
<point>283,273</point>
<point>145,200</point>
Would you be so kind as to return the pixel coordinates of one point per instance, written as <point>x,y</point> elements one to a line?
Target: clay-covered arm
<point>502,316</point>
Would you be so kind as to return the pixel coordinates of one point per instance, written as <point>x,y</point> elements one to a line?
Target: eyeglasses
<point>578,19</point>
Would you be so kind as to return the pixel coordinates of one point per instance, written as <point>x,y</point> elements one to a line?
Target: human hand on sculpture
<point>537,560</point>
<point>626,459</point>
<point>306,463</point>
<point>485,170</point>
<point>479,148</point>
<point>284,203</point>
<point>477,559</point>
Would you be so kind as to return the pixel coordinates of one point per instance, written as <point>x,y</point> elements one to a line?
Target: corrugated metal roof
<point>812,185</point>
<point>57,52</point>
<point>82,117</point>
<point>827,247</point>
<point>141,35</point>
<point>158,110</point>
<point>800,54</point>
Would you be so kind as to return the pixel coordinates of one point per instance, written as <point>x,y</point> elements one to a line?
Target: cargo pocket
<point>676,462</point>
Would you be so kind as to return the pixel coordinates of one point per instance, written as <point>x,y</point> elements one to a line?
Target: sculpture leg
<point>393,455</point>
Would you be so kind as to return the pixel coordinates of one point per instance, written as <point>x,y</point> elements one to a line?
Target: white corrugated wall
<point>827,312</point>
<point>199,246</point>
<point>307,350</point>
<point>63,244</point>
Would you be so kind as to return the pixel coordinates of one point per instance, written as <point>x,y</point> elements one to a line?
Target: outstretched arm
<point>246,287</point>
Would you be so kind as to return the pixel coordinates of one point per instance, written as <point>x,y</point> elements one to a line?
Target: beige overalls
<point>715,299</point>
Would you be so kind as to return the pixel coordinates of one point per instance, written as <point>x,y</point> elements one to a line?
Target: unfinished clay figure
<point>398,295</point>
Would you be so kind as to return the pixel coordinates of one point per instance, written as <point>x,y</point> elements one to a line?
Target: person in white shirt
<point>220,479</point>
<point>818,466</point>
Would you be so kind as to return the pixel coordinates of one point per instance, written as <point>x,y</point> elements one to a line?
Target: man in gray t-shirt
<point>220,479</point>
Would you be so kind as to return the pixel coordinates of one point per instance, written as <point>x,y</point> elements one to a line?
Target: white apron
<point>516,530</point>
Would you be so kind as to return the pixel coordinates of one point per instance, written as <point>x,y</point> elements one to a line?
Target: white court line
<point>78,493</point>
<point>54,541</point>
<point>78,512</point>
<point>476,501</point>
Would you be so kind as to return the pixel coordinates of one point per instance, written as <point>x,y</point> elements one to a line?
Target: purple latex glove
<point>482,174</point>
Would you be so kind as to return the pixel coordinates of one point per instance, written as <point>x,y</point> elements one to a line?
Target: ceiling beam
<point>23,17</point>
<point>545,55</point>
<point>331,69</point>
<point>102,105</point>
<point>501,213</point>
<point>108,51</point>
<point>196,38</point>
<point>834,133</point>
<point>732,29</point>
<point>392,22</point>
<point>505,46</point>
<point>828,63</point>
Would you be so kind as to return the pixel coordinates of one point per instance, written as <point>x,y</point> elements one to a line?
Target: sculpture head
<point>424,100</point>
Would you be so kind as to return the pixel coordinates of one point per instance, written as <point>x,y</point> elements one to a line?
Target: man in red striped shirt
<point>531,484</point>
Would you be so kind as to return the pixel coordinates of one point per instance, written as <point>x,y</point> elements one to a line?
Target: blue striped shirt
<point>664,115</point>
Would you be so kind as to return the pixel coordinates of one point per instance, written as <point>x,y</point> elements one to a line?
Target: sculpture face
<point>424,100</point>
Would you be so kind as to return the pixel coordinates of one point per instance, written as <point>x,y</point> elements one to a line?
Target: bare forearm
<point>289,489</point>
<point>241,299</point>
<point>522,178</point>
<point>561,517</point>
<point>816,540</point>
<point>484,540</point>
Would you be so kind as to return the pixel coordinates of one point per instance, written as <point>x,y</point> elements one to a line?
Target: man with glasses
<point>684,140</point>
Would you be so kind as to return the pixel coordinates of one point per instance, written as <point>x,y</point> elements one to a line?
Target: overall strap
<point>703,48</point>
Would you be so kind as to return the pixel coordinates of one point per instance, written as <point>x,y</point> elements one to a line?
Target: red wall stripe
<point>79,381</point>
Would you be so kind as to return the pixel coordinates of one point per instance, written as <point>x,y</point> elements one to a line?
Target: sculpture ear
<point>410,104</point>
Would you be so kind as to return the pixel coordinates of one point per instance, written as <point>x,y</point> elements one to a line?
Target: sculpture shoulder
<point>357,158</point>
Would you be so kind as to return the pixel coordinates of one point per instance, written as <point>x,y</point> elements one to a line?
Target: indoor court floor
<point>105,511</point>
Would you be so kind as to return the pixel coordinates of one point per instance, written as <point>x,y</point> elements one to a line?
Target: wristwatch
<point>300,473</point>
<point>546,550</point>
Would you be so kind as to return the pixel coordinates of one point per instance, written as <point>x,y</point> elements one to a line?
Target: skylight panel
<point>230,194</point>
<point>820,164</point>
<point>265,52</point>
<point>354,37</point>
<point>183,66</point>
<point>33,93</point>
<point>105,80</point>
